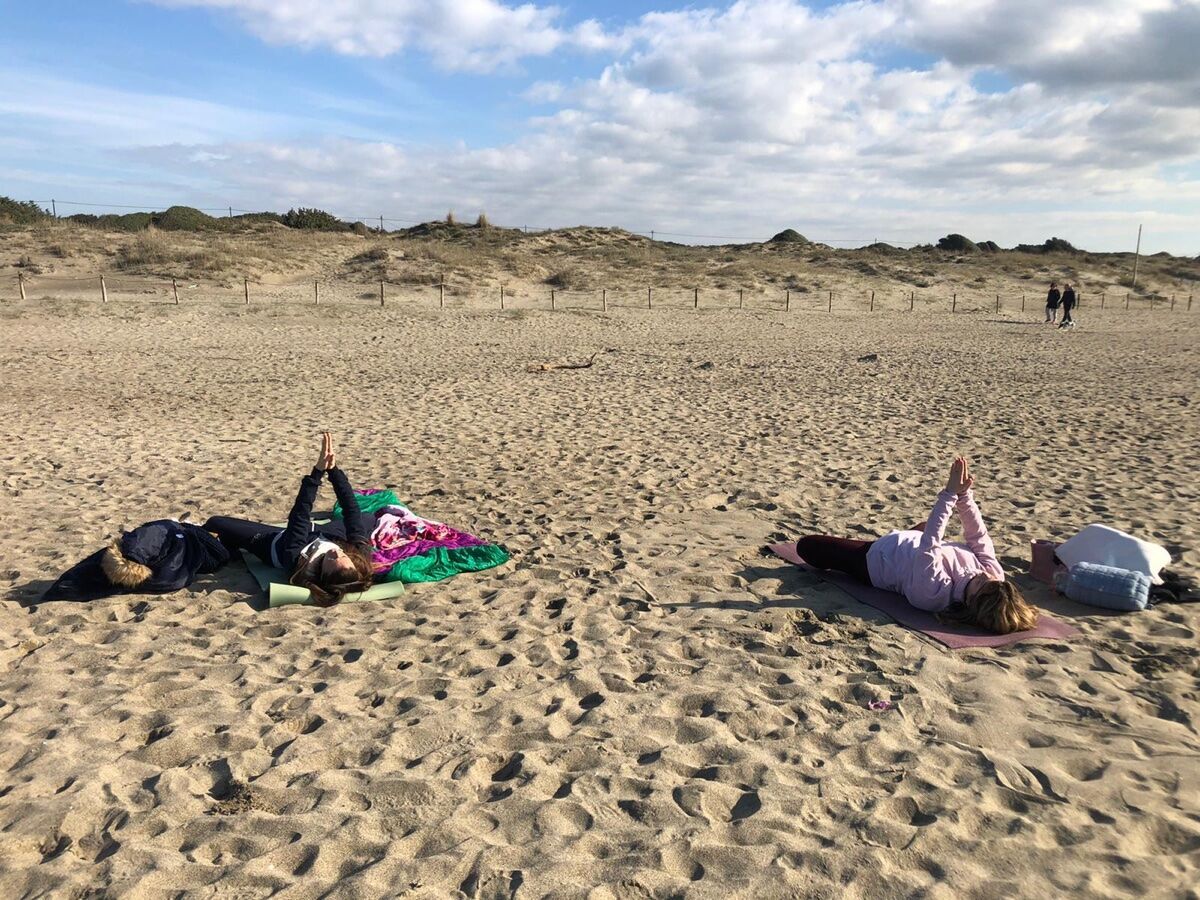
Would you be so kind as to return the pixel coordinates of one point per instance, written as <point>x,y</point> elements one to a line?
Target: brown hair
<point>329,590</point>
<point>997,606</point>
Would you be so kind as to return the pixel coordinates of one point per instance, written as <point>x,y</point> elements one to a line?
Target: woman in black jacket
<point>329,560</point>
<point>1053,297</point>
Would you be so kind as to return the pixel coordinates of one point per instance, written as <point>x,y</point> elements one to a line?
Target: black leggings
<point>242,534</point>
<point>842,554</point>
<point>239,534</point>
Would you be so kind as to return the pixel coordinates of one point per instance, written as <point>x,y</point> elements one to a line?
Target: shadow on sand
<point>795,589</point>
<point>234,578</point>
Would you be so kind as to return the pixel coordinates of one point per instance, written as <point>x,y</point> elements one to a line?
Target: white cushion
<point>1106,546</point>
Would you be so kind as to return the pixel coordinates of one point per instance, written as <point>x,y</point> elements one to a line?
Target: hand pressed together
<point>326,460</point>
<point>960,480</point>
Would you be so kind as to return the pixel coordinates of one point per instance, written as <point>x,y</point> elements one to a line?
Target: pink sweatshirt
<point>931,573</point>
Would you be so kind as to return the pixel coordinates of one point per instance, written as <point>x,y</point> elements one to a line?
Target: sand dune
<point>62,259</point>
<point>640,704</point>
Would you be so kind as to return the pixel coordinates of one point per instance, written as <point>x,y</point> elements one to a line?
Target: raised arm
<point>975,534</point>
<point>931,587</point>
<point>351,515</point>
<point>298,532</point>
<point>939,517</point>
<point>943,507</point>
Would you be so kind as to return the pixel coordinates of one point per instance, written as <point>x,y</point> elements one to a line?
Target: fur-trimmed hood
<point>123,572</point>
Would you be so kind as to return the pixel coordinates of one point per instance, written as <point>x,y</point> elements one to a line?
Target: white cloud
<point>766,114</point>
<point>1070,42</point>
<point>471,35</point>
<point>544,92</point>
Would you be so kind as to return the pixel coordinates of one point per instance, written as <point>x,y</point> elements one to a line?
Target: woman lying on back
<point>329,560</point>
<point>963,583</point>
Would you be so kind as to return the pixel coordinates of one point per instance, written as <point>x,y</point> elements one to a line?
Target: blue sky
<point>876,118</point>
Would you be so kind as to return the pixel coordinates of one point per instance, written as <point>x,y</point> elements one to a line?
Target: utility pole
<point>1136,256</point>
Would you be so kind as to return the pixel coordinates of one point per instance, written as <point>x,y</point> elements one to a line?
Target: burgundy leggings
<point>843,554</point>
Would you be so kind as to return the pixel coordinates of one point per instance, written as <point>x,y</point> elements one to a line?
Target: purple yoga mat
<point>955,637</point>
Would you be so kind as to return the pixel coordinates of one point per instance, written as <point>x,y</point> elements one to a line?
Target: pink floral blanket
<point>399,533</point>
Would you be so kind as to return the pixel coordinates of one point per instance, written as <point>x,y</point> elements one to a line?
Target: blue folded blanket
<point>1105,586</point>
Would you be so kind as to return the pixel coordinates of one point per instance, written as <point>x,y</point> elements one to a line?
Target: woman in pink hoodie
<point>963,583</point>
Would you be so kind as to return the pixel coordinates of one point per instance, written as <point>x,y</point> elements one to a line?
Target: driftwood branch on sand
<point>566,364</point>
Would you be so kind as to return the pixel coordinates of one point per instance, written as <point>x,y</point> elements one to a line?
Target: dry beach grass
<point>640,704</point>
<point>62,259</point>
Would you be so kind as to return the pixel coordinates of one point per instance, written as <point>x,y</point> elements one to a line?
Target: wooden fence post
<point>21,283</point>
<point>1189,309</point>
<point>175,290</point>
<point>246,289</point>
<point>604,299</point>
<point>739,298</point>
<point>1022,303</point>
<point>381,289</point>
<point>648,306</point>
<point>954,304</point>
<point>502,296</point>
<point>316,292</point>
<point>787,301</point>
<point>912,300</point>
<point>1102,301</point>
<point>831,301</point>
<point>1127,300</point>
<point>442,294</point>
<point>695,298</point>
<point>552,298</point>
<point>872,301</point>
<point>103,290</point>
<point>997,303</point>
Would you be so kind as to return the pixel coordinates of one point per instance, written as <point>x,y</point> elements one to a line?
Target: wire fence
<point>318,291</point>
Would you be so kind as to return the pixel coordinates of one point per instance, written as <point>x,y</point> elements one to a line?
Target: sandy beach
<point>640,704</point>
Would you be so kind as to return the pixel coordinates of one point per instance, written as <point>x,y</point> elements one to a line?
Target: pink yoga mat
<point>955,637</point>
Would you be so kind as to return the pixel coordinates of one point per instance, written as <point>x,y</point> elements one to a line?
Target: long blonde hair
<point>997,607</point>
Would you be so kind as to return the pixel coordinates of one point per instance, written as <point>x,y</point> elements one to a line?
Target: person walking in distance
<point>1052,300</point>
<point>1069,300</point>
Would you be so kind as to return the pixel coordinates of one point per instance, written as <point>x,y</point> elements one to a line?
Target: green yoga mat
<point>279,593</point>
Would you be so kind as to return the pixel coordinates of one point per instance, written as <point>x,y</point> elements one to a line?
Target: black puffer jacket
<point>174,552</point>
